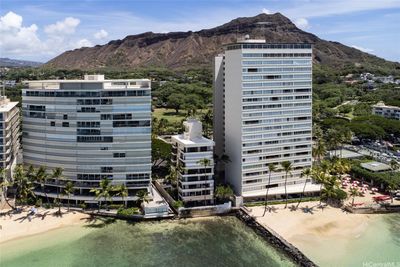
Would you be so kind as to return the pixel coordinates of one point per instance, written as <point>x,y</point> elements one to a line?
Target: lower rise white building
<point>192,156</point>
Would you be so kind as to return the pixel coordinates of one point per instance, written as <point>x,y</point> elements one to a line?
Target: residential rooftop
<point>6,105</point>
<point>375,166</point>
<point>95,79</point>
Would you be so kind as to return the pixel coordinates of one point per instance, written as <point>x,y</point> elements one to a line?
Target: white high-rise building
<point>263,115</point>
<point>93,129</point>
<point>9,130</point>
<point>192,156</point>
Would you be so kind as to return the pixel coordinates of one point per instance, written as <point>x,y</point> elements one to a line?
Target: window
<point>106,169</point>
<point>52,123</point>
<point>119,155</point>
<point>65,117</point>
<point>65,124</point>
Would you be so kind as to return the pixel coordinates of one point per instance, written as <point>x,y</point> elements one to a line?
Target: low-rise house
<point>391,112</point>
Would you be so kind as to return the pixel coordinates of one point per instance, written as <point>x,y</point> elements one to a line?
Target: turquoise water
<point>207,242</point>
<point>379,245</point>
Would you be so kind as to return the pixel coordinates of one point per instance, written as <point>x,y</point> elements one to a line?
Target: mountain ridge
<point>198,48</point>
<point>10,62</point>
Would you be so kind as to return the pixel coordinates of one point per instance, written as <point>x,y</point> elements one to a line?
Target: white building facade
<point>390,112</point>
<point>93,128</point>
<point>263,115</point>
<point>192,156</point>
<point>9,135</point>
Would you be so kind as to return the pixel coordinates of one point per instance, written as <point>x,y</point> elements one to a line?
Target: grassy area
<point>169,114</point>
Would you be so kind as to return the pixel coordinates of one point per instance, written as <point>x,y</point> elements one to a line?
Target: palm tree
<point>41,177</point>
<point>24,187</point>
<point>4,184</point>
<point>69,190</point>
<point>143,196</point>
<point>205,162</point>
<point>103,191</point>
<point>319,150</point>
<point>271,169</point>
<point>122,191</point>
<point>353,192</point>
<point>223,192</point>
<point>305,173</point>
<point>319,175</point>
<point>391,187</point>
<point>57,175</point>
<point>172,176</point>
<point>287,167</point>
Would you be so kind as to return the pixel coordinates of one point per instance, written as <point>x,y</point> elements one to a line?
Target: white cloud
<point>367,50</point>
<point>21,41</point>
<point>15,38</point>
<point>302,23</point>
<point>266,11</point>
<point>10,20</point>
<point>100,34</point>
<point>67,26</point>
<point>83,43</point>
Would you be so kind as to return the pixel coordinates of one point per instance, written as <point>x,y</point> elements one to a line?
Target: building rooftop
<point>375,166</point>
<point>382,105</point>
<point>107,84</point>
<point>6,105</point>
<point>193,135</point>
<point>193,142</point>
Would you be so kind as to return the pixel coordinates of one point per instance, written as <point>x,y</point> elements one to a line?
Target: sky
<point>39,30</point>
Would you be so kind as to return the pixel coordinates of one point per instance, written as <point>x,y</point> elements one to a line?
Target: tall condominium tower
<point>262,115</point>
<point>192,156</point>
<point>9,129</point>
<point>92,128</point>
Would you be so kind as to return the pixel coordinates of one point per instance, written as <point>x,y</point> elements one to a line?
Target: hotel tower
<point>93,129</point>
<point>263,115</point>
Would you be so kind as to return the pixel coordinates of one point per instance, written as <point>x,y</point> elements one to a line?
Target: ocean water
<point>379,245</point>
<point>206,242</point>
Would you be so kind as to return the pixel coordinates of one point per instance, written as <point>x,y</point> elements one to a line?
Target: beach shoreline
<point>310,228</point>
<point>19,225</point>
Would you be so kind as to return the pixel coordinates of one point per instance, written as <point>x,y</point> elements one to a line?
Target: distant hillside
<point>197,49</point>
<point>8,62</point>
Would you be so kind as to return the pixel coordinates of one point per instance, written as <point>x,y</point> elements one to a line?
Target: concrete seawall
<point>275,239</point>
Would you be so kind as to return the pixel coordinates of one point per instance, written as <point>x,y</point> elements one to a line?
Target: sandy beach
<point>328,229</point>
<point>19,225</point>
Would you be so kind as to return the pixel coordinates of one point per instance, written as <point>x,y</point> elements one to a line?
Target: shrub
<point>38,203</point>
<point>128,211</point>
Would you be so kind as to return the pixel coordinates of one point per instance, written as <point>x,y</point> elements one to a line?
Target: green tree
<point>24,187</point>
<point>175,101</point>
<point>4,184</point>
<point>122,191</point>
<point>57,175</point>
<point>319,150</point>
<point>354,192</point>
<point>69,189</point>
<point>103,191</point>
<point>143,196</point>
<point>305,173</point>
<point>223,192</point>
<point>287,167</point>
<point>271,169</point>
<point>205,162</point>
<point>41,177</point>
